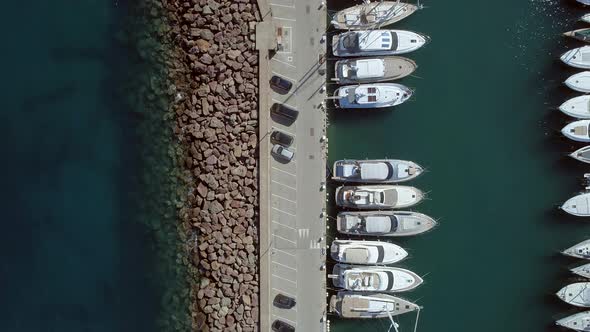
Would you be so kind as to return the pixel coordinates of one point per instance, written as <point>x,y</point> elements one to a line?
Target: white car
<point>282,152</point>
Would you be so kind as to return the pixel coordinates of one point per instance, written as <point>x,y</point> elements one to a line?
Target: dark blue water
<point>73,256</point>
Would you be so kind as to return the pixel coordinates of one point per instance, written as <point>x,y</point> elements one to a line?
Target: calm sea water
<point>483,121</point>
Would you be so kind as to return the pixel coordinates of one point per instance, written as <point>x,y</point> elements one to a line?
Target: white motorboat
<point>580,250</point>
<point>578,205</point>
<point>579,82</point>
<point>378,196</point>
<point>376,170</point>
<point>371,95</point>
<point>585,18</point>
<point>371,70</point>
<point>577,107</point>
<point>576,294</point>
<point>369,305</point>
<point>377,42</point>
<point>374,278</point>
<point>582,154</point>
<point>366,252</point>
<point>577,131</point>
<point>582,270</point>
<point>372,15</point>
<point>577,322</point>
<point>383,223</point>
<point>578,57</point>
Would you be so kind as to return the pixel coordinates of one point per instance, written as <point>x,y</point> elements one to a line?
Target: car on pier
<point>279,137</point>
<point>280,326</point>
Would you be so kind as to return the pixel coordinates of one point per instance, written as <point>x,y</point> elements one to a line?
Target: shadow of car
<point>279,137</point>
<point>283,114</point>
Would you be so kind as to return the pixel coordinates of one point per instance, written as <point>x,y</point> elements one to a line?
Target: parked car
<point>282,152</point>
<point>284,111</point>
<point>282,85</point>
<point>279,137</point>
<point>283,301</point>
<point>280,326</point>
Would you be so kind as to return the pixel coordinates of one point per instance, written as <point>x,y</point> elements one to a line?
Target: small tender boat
<point>371,95</point>
<point>579,82</point>
<point>579,34</point>
<point>582,154</point>
<point>372,15</point>
<point>377,42</point>
<point>383,223</point>
<point>374,278</point>
<point>578,57</point>
<point>580,250</point>
<point>577,107</point>
<point>577,322</point>
<point>578,205</point>
<point>378,196</point>
<point>369,70</point>
<point>366,252</point>
<point>576,294</point>
<point>376,171</point>
<point>369,305</point>
<point>582,271</point>
<point>577,131</point>
<point>585,18</point>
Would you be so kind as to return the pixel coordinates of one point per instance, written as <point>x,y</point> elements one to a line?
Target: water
<point>75,252</point>
<point>483,121</point>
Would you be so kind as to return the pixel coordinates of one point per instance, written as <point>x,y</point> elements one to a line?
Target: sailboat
<point>370,15</point>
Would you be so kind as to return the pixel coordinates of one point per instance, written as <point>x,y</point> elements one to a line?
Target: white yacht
<point>371,15</point>
<point>576,322</point>
<point>576,294</point>
<point>582,154</point>
<point>577,107</point>
<point>374,278</point>
<point>585,18</point>
<point>579,82</point>
<point>580,250</point>
<point>378,196</point>
<point>578,205</point>
<point>369,305</point>
<point>371,70</point>
<point>371,95</point>
<point>366,252</point>
<point>376,170</point>
<point>578,57</point>
<point>383,223</point>
<point>582,270</point>
<point>577,131</point>
<point>377,42</point>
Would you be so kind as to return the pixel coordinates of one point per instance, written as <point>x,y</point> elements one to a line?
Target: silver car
<point>282,152</point>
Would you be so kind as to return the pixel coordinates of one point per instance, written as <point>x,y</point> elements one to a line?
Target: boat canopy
<point>355,255</point>
<point>376,171</point>
<point>366,68</point>
<point>380,224</point>
<point>390,197</point>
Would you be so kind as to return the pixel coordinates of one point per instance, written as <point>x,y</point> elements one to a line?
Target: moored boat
<point>576,294</point>
<point>577,131</point>
<point>578,57</point>
<point>576,322</point>
<point>371,95</point>
<point>383,223</point>
<point>378,196</point>
<point>348,304</point>
<point>374,278</point>
<point>376,170</point>
<point>582,154</point>
<point>370,70</point>
<point>585,18</point>
<point>577,107</point>
<point>578,205</point>
<point>579,82</point>
<point>579,34</point>
<point>366,252</point>
<point>377,42</point>
<point>372,15</point>
<point>582,270</point>
<point>580,250</point>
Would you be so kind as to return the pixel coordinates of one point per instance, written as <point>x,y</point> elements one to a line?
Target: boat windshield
<point>389,280</point>
<point>394,223</point>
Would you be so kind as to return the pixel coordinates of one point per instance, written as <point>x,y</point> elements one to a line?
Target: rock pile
<point>217,120</point>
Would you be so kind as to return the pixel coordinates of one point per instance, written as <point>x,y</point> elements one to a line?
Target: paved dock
<point>292,199</point>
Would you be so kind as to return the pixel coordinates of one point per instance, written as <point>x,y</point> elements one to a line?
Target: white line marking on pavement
<point>283,62</point>
<point>284,252</point>
<point>283,265</point>
<point>284,185</point>
<point>282,238</point>
<point>285,212</point>
<point>281,197</point>
<point>291,281</point>
<point>285,76</point>
<point>314,244</point>
<point>288,320</point>
<point>282,291</point>
<point>278,223</point>
<point>304,232</point>
<point>284,19</point>
<point>280,170</point>
<point>279,5</point>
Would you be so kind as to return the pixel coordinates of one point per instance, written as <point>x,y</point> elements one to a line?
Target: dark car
<point>283,301</point>
<point>284,111</point>
<point>279,137</point>
<point>280,84</point>
<point>280,326</point>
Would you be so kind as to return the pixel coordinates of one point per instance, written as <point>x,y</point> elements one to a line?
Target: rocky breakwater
<point>216,89</point>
